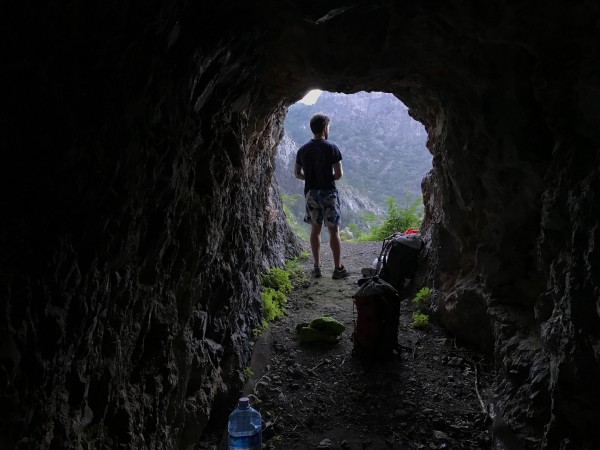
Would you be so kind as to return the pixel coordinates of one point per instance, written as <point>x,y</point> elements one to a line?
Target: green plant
<point>248,372</point>
<point>294,268</point>
<point>398,218</point>
<point>256,332</point>
<point>273,304</point>
<point>277,279</point>
<point>422,297</point>
<point>353,227</point>
<point>276,283</point>
<point>369,217</point>
<point>303,256</point>
<point>419,320</point>
<point>289,201</point>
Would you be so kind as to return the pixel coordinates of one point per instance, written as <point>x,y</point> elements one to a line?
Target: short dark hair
<point>318,122</point>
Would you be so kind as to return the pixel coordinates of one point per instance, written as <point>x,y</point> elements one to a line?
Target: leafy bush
<point>398,218</point>
<point>419,320</point>
<point>277,279</point>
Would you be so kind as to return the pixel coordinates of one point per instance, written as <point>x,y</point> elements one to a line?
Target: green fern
<point>422,297</point>
<point>419,320</point>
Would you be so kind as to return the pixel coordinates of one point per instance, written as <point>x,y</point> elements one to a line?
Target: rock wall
<point>137,212</point>
<point>139,207</point>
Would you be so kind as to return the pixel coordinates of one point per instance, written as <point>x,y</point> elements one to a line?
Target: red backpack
<point>375,333</point>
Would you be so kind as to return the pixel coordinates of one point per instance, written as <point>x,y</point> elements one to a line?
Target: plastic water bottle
<point>244,427</point>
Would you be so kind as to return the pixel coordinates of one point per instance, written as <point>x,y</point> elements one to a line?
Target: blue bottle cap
<point>244,402</point>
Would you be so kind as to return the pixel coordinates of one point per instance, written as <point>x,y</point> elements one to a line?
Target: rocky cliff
<point>139,206</point>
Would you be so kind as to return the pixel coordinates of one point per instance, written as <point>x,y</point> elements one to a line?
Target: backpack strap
<point>388,243</point>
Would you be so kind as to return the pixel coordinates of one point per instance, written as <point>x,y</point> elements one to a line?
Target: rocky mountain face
<point>139,204</point>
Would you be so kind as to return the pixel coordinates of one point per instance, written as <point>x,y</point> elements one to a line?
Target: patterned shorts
<point>322,205</point>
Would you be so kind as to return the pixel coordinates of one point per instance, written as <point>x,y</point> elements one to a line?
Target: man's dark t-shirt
<point>316,158</point>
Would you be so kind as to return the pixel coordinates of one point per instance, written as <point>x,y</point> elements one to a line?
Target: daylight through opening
<point>384,159</point>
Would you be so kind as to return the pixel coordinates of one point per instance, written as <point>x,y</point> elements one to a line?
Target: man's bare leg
<point>315,242</point>
<point>335,242</point>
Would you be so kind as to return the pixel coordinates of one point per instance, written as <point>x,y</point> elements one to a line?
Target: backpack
<point>375,333</point>
<point>401,258</point>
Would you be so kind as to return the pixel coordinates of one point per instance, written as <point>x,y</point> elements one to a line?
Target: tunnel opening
<point>385,159</point>
<point>139,206</point>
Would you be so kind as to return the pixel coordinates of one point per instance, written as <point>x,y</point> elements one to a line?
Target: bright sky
<point>311,97</point>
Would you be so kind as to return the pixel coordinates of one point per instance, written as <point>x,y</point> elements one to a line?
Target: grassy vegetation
<point>276,283</point>
<point>420,317</point>
<point>399,217</point>
<point>289,202</point>
<point>294,269</point>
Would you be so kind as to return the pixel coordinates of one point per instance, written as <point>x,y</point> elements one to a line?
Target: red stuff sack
<point>377,306</point>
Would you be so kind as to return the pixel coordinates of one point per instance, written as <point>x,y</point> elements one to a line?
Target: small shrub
<point>419,320</point>
<point>398,218</point>
<point>248,372</point>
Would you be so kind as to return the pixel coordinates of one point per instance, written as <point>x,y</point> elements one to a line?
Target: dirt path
<point>323,397</point>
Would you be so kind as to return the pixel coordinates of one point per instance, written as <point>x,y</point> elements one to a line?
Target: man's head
<point>318,123</point>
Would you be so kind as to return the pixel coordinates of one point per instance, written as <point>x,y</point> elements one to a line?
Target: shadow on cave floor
<point>324,398</point>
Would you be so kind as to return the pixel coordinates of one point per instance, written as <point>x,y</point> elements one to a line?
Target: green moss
<point>276,283</point>
<point>273,304</point>
<point>277,279</point>
<point>295,270</point>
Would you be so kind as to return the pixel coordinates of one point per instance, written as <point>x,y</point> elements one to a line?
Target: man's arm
<point>298,172</point>
<point>338,172</point>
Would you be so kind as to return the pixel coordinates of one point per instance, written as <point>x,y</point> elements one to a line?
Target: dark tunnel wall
<point>138,203</point>
<point>138,210</point>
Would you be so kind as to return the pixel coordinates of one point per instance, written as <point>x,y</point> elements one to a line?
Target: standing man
<point>319,164</point>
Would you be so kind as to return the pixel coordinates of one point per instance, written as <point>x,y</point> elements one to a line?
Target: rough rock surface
<point>138,205</point>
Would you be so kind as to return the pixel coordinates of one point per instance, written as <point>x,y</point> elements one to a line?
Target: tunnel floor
<point>324,397</point>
